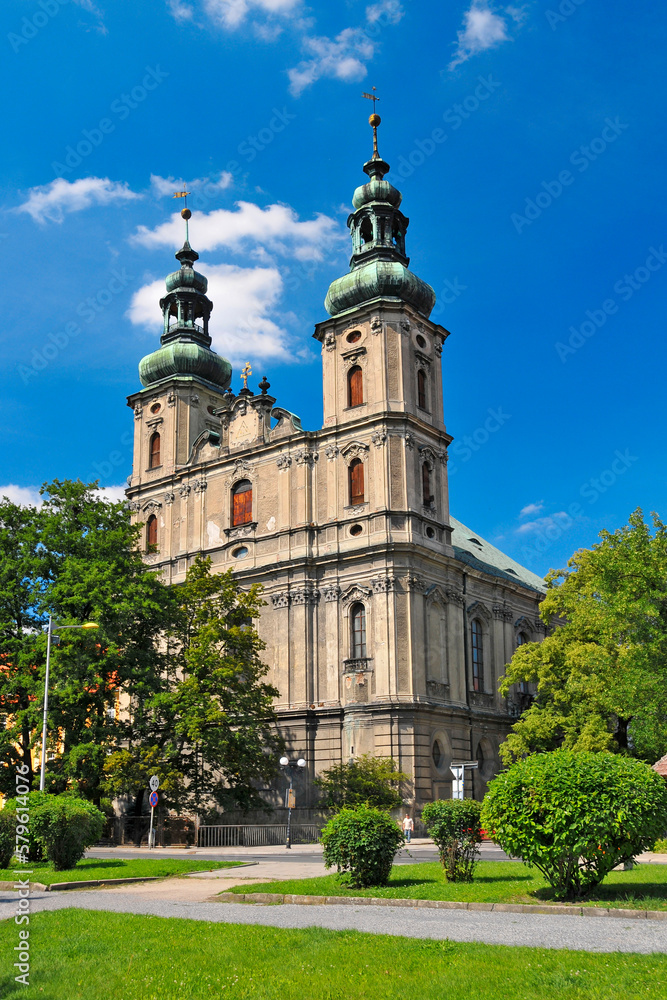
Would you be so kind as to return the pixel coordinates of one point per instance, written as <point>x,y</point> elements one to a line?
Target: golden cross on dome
<point>246,372</point>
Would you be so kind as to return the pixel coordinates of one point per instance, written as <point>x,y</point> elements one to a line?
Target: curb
<point>34,886</point>
<point>441,904</point>
<point>60,886</point>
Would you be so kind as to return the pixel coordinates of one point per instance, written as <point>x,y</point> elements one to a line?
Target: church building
<point>388,622</point>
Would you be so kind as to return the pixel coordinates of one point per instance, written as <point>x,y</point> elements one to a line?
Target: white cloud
<point>531,508</point>
<point>276,226</point>
<point>181,11</point>
<point>483,29</point>
<point>543,524</point>
<point>241,326</point>
<point>232,13</point>
<point>25,496</point>
<point>342,58</point>
<point>167,186</point>
<point>112,493</point>
<point>391,10</point>
<point>51,202</point>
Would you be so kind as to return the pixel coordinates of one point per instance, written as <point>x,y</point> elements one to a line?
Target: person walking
<point>408,827</point>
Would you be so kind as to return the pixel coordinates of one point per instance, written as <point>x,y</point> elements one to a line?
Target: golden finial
<point>246,372</point>
<point>374,121</point>
<point>185,212</point>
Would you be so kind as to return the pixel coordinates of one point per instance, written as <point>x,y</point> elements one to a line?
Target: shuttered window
<point>358,631</point>
<point>242,503</point>
<point>151,533</point>
<point>356,481</point>
<point>355,386</point>
<point>154,456</point>
<point>477,655</point>
<point>421,389</point>
<point>427,496</point>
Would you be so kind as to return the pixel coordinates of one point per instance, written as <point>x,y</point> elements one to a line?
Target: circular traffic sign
<point>154,783</point>
<point>153,799</point>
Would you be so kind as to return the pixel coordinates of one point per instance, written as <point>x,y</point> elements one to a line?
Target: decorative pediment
<point>356,593</point>
<point>152,507</point>
<point>524,624</point>
<point>354,357</point>
<point>354,449</point>
<point>240,470</point>
<point>427,454</point>
<point>436,595</point>
<point>479,610</point>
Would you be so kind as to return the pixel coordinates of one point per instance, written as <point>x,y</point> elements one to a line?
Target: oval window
<point>430,533</point>
<point>155,408</point>
<point>436,753</point>
<point>420,340</point>
<point>356,529</point>
<point>353,337</point>
<point>240,553</point>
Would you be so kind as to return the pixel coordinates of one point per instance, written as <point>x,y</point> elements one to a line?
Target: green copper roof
<point>379,278</point>
<point>183,358</point>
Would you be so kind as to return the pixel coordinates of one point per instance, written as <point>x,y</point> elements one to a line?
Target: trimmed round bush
<point>575,816</point>
<point>66,826</point>
<point>361,842</point>
<point>7,837</point>
<point>455,827</point>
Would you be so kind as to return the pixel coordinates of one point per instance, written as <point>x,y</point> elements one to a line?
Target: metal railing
<point>257,836</point>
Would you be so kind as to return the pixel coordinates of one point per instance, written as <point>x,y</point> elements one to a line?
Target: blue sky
<point>527,140</point>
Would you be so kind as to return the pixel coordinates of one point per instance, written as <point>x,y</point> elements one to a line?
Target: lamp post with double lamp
<point>49,637</point>
<point>288,766</point>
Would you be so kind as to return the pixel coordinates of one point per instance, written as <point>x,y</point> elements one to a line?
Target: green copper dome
<point>379,265</point>
<point>185,349</point>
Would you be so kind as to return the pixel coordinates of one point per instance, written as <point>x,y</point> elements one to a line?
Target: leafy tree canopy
<point>364,780</point>
<point>602,674</point>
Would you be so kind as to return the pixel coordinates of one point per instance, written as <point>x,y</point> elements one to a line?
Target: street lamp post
<point>49,637</point>
<point>289,765</point>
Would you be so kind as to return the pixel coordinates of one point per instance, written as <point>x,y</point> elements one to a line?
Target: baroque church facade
<point>388,623</point>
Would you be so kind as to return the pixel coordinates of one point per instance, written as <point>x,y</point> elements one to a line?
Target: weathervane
<point>374,121</point>
<point>246,372</point>
<point>185,212</point>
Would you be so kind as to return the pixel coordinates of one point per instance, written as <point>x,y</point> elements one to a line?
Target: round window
<point>356,529</point>
<point>430,533</point>
<point>353,337</point>
<point>155,408</point>
<point>436,753</point>
<point>240,553</point>
<point>420,340</point>
<point>211,410</point>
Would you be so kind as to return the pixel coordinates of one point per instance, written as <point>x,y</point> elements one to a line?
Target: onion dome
<point>379,265</point>
<point>185,340</point>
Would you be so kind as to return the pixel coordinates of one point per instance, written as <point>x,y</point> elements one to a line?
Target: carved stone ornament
<point>456,597</point>
<point>330,340</point>
<point>376,324</point>
<point>304,456</point>
<point>169,498</point>
<point>409,440</point>
<point>356,357</point>
<point>306,595</point>
<point>502,613</point>
<point>184,491</point>
<point>437,347</point>
<point>378,438</point>
<point>280,600</point>
<point>331,593</point>
<point>443,456</point>
<point>138,410</point>
<point>171,399</point>
<point>540,626</point>
<point>428,454</point>
<point>152,507</point>
<point>239,470</point>
<point>194,399</point>
<point>421,361</point>
<point>199,485</point>
<point>134,505</point>
<point>415,582</point>
<point>332,452</point>
<point>405,325</point>
<point>524,624</point>
<point>356,593</point>
<point>283,462</point>
<point>477,609</point>
<point>437,690</point>
<point>383,584</point>
<point>355,449</point>
<point>241,531</point>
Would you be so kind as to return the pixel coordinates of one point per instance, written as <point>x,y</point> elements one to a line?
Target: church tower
<point>388,622</point>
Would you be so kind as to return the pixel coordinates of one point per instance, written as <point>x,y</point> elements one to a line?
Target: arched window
<point>242,503</point>
<point>356,481</point>
<point>355,386</point>
<point>427,496</point>
<point>358,631</point>
<point>154,454</point>
<point>151,533</point>
<point>366,230</point>
<point>477,648</point>
<point>421,389</point>
<point>521,640</point>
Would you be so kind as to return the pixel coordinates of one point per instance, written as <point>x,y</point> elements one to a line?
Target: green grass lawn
<point>98,868</point>
<point>85,955</point>
<point>644,887</point>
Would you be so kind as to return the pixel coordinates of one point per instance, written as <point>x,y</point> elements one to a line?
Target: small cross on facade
<point>246,372</point>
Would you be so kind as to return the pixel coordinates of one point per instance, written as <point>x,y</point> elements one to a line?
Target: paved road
<point>600,934</point>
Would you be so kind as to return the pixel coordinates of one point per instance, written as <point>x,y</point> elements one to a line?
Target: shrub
<point>66,826</point>
<point>7,837</point>
<point>454,825</point>
<point>575,816</point>
<point>364,780</point>
<point>660,846</point>
<point>13,807</point>
<point>363,842</point>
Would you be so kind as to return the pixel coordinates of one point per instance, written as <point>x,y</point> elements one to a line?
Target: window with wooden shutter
<point>151,533</point>
<point>242,503</point>
<point>427,496</point>
<point>421,389</point>
<point>355,386</point>
<point>358,631</point>
<point>356,481</point>
<point>154,452</point>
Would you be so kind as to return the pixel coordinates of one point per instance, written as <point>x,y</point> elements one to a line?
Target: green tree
<point>361,842</point>
<point>211,726</point>
<point>364,780</point>
<point>602,673</point>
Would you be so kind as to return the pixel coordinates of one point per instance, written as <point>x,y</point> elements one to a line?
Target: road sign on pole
<point>154,783</point>
<point>153,799</point>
